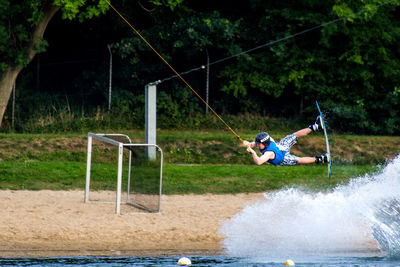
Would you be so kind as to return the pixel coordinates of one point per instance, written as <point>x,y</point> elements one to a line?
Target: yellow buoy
<point>288,263</point>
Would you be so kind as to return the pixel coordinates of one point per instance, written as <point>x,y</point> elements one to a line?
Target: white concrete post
<point>151,119</point>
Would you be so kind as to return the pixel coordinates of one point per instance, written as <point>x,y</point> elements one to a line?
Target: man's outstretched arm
<point>263,158</point>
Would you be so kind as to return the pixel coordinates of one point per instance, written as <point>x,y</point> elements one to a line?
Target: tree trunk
<point>6,85</point>
<point>10,74</point>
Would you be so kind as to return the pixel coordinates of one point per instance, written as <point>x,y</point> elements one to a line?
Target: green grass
<point>195,162</point>
<point>42,175</point>
<point>200,147</point>
<point>250,178</point>
<point>178,179</point>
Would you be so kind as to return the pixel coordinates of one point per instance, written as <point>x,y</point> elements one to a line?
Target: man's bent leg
<point>306,160</point>
<point>302,132</point>
<point>312,128</point>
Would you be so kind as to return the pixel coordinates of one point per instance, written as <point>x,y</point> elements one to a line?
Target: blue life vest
<point>279,154</point>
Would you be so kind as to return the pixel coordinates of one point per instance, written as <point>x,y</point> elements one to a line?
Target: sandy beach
<point>60,223</point>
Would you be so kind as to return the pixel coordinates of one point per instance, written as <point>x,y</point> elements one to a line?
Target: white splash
<point>360,216</point>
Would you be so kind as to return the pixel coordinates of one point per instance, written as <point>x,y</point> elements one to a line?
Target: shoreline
<point>59,223</point>
<point>32,253</point>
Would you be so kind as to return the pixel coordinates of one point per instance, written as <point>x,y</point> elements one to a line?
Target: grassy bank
<point>200,147</point>
<point>179,179</point>
<point>195,162</point>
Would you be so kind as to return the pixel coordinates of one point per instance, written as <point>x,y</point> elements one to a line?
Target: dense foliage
<point>350,63</point>
<point>18,20</point>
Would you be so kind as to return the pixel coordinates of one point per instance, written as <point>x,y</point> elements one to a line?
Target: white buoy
<point>288,263</point>
<point>184,261</point>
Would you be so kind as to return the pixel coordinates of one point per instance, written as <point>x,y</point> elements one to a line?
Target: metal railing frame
<point>103,137</point>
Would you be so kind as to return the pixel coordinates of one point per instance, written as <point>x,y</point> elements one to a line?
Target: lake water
<point>199,261</point>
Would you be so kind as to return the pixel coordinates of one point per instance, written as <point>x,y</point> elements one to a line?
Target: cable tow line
<point>187,84</point>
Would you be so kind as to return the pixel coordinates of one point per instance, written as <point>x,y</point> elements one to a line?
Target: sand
<point>48,223</point>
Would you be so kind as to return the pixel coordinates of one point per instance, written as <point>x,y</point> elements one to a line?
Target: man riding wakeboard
<point>279,153</point>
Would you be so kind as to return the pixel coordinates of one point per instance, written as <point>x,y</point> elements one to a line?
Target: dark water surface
<point>170,258</point>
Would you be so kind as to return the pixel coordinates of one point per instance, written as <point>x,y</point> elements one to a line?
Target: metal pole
<point>13,107</point>
<point>208,80</point>
<point>88,167</point>
<point>119,179</point>
<point>109,86</point>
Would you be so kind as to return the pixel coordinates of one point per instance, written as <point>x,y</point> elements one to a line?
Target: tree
<point>183,36</point>
<point>22,25</point>
<point>348,65</point>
